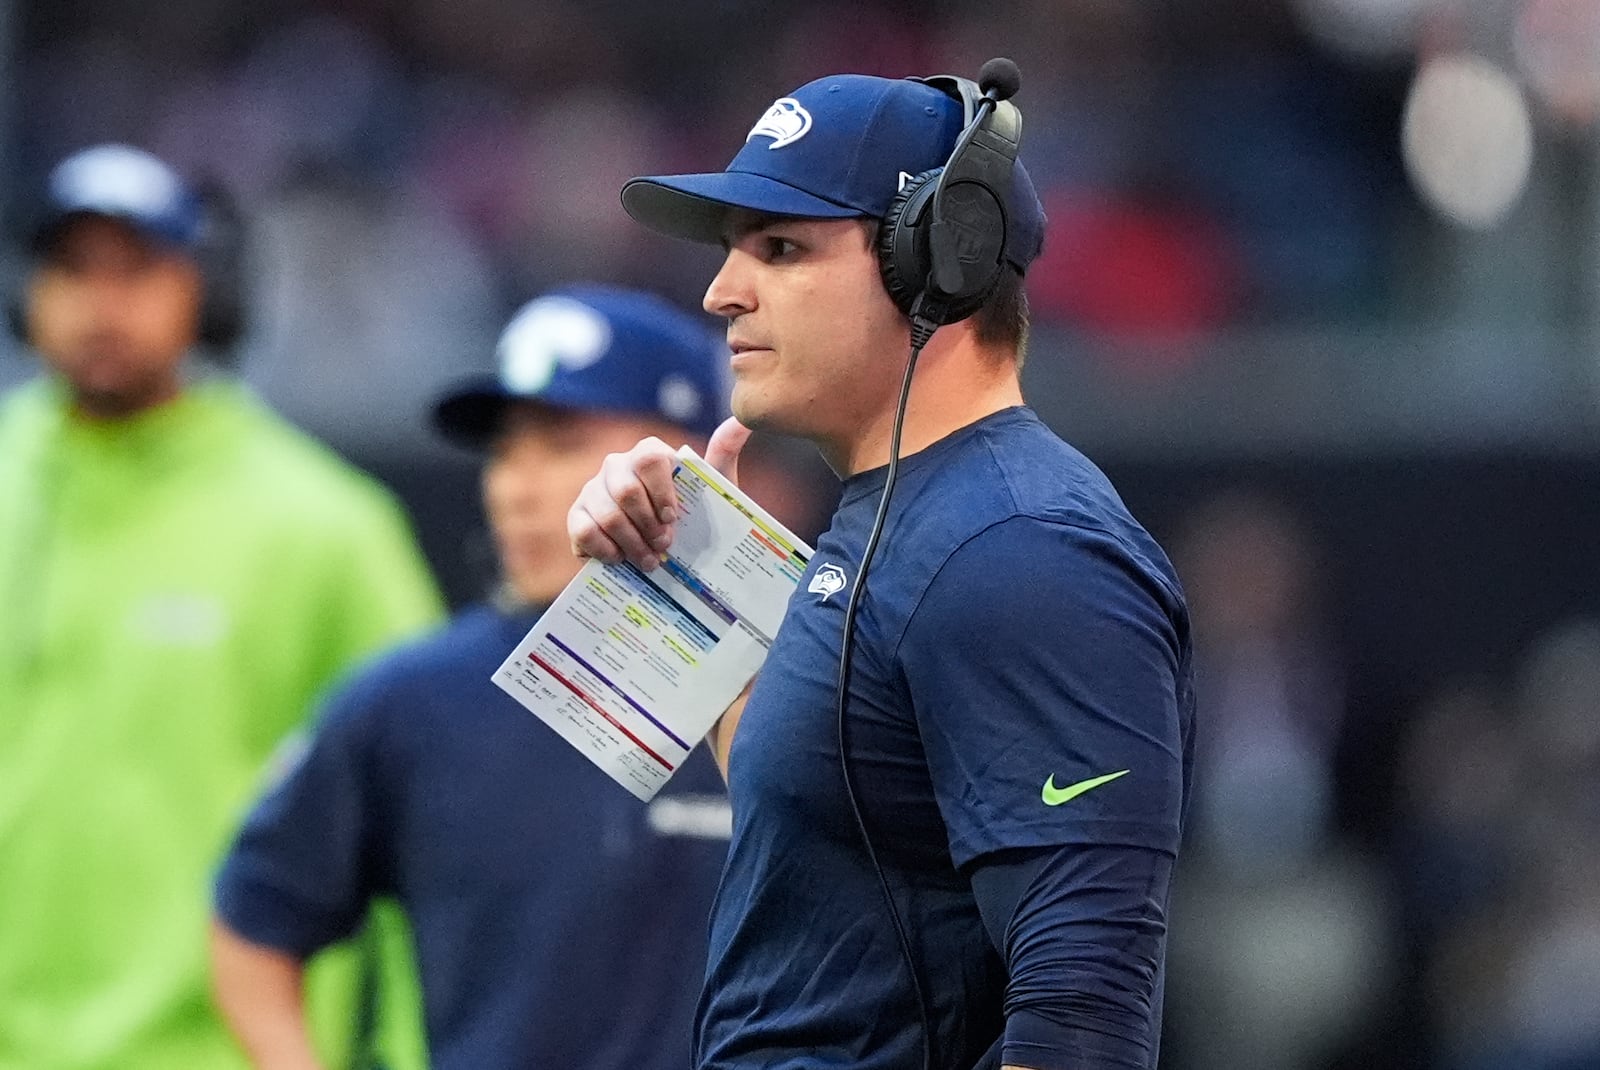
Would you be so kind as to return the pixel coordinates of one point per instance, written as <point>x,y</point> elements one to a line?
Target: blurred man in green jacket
<point>181,573</point>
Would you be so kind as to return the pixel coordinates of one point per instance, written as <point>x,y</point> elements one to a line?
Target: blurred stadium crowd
<point>1356,399</point>
<point>1439,911</point>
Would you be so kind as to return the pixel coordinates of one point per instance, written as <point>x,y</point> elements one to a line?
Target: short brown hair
<point>1002,321</point>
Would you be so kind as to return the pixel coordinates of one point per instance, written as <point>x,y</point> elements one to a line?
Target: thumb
<point>722,452</point>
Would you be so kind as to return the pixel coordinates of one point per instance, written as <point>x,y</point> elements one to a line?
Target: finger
<point>641,489</point>
<point>626,511</point>
<point>599,507</point>
<point>654,462</point>
<point>727,442</point>
<point>587,538</point>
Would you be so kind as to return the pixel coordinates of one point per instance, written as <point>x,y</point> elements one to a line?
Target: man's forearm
<point>261,993</point>
<point>1082,929</point>
<point>720,738</point>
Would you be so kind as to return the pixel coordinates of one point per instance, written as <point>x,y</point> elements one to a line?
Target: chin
<point>759,414</point>
<point>537,593</point>
<point>101,378</point>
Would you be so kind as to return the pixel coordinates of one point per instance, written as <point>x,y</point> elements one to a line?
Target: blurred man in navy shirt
<point>559,922</point>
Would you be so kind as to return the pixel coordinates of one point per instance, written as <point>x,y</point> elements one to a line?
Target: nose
<point>509,491</point>
<point>105,295</point>
<point>731,294</point>
<point>100,305</point>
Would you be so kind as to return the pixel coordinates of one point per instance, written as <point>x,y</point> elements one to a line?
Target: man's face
<point>114,313</point>
<point>536,468</point>
<point>817,342</point>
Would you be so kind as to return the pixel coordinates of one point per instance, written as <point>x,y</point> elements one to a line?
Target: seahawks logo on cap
<point>550,333</point>
<point>785,123</point>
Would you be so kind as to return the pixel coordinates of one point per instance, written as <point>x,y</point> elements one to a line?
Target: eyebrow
<point>746,225</point>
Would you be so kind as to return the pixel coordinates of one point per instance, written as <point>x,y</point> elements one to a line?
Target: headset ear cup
<point>221,256</point>
<point>221,321</point>
<point>903,243</point>
<point>974,215</point>
<point>15,282</point>
<point>905,257</point>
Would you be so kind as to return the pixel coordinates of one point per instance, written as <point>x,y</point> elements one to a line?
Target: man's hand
<point>627,511</point>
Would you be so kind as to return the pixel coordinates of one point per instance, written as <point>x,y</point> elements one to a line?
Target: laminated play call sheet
<point>632,668</point>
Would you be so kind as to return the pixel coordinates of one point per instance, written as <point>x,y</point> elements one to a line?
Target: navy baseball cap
<point>595,348</point>
<point>124,183</point>
<point>838,148</point>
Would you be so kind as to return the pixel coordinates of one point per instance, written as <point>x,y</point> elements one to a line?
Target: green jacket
<point>175,591</point>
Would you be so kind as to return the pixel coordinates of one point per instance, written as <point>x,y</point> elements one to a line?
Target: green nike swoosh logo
<point>1054,796</point>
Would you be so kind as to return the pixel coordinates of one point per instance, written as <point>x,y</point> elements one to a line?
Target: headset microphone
<point>999,79</point>
<point>983,160</point>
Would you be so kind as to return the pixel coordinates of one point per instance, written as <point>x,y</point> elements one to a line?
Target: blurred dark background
<point>1321,292</point>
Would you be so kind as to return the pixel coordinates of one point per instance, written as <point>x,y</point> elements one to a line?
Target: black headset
<point>220,253</point>
<point>943,239</point>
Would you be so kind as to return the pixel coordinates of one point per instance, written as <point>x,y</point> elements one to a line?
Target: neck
<point>98,408</point>
<point>956,384</point>
<point>106,406</point>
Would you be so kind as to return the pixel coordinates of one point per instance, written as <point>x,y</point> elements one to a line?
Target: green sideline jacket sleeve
<point>175,592</point>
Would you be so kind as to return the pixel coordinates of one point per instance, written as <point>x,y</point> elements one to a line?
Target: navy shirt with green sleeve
<point>1020,735</point>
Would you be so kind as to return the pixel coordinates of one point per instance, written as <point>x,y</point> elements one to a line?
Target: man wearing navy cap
<point>969,864</point>
<point>558,922</point>
<point>181,573</point>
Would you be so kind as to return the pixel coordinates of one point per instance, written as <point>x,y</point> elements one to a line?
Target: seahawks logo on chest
<point>828,581</point>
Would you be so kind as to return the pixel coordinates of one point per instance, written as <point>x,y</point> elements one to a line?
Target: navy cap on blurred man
<point>118,201</point>
<point>583,371</point>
